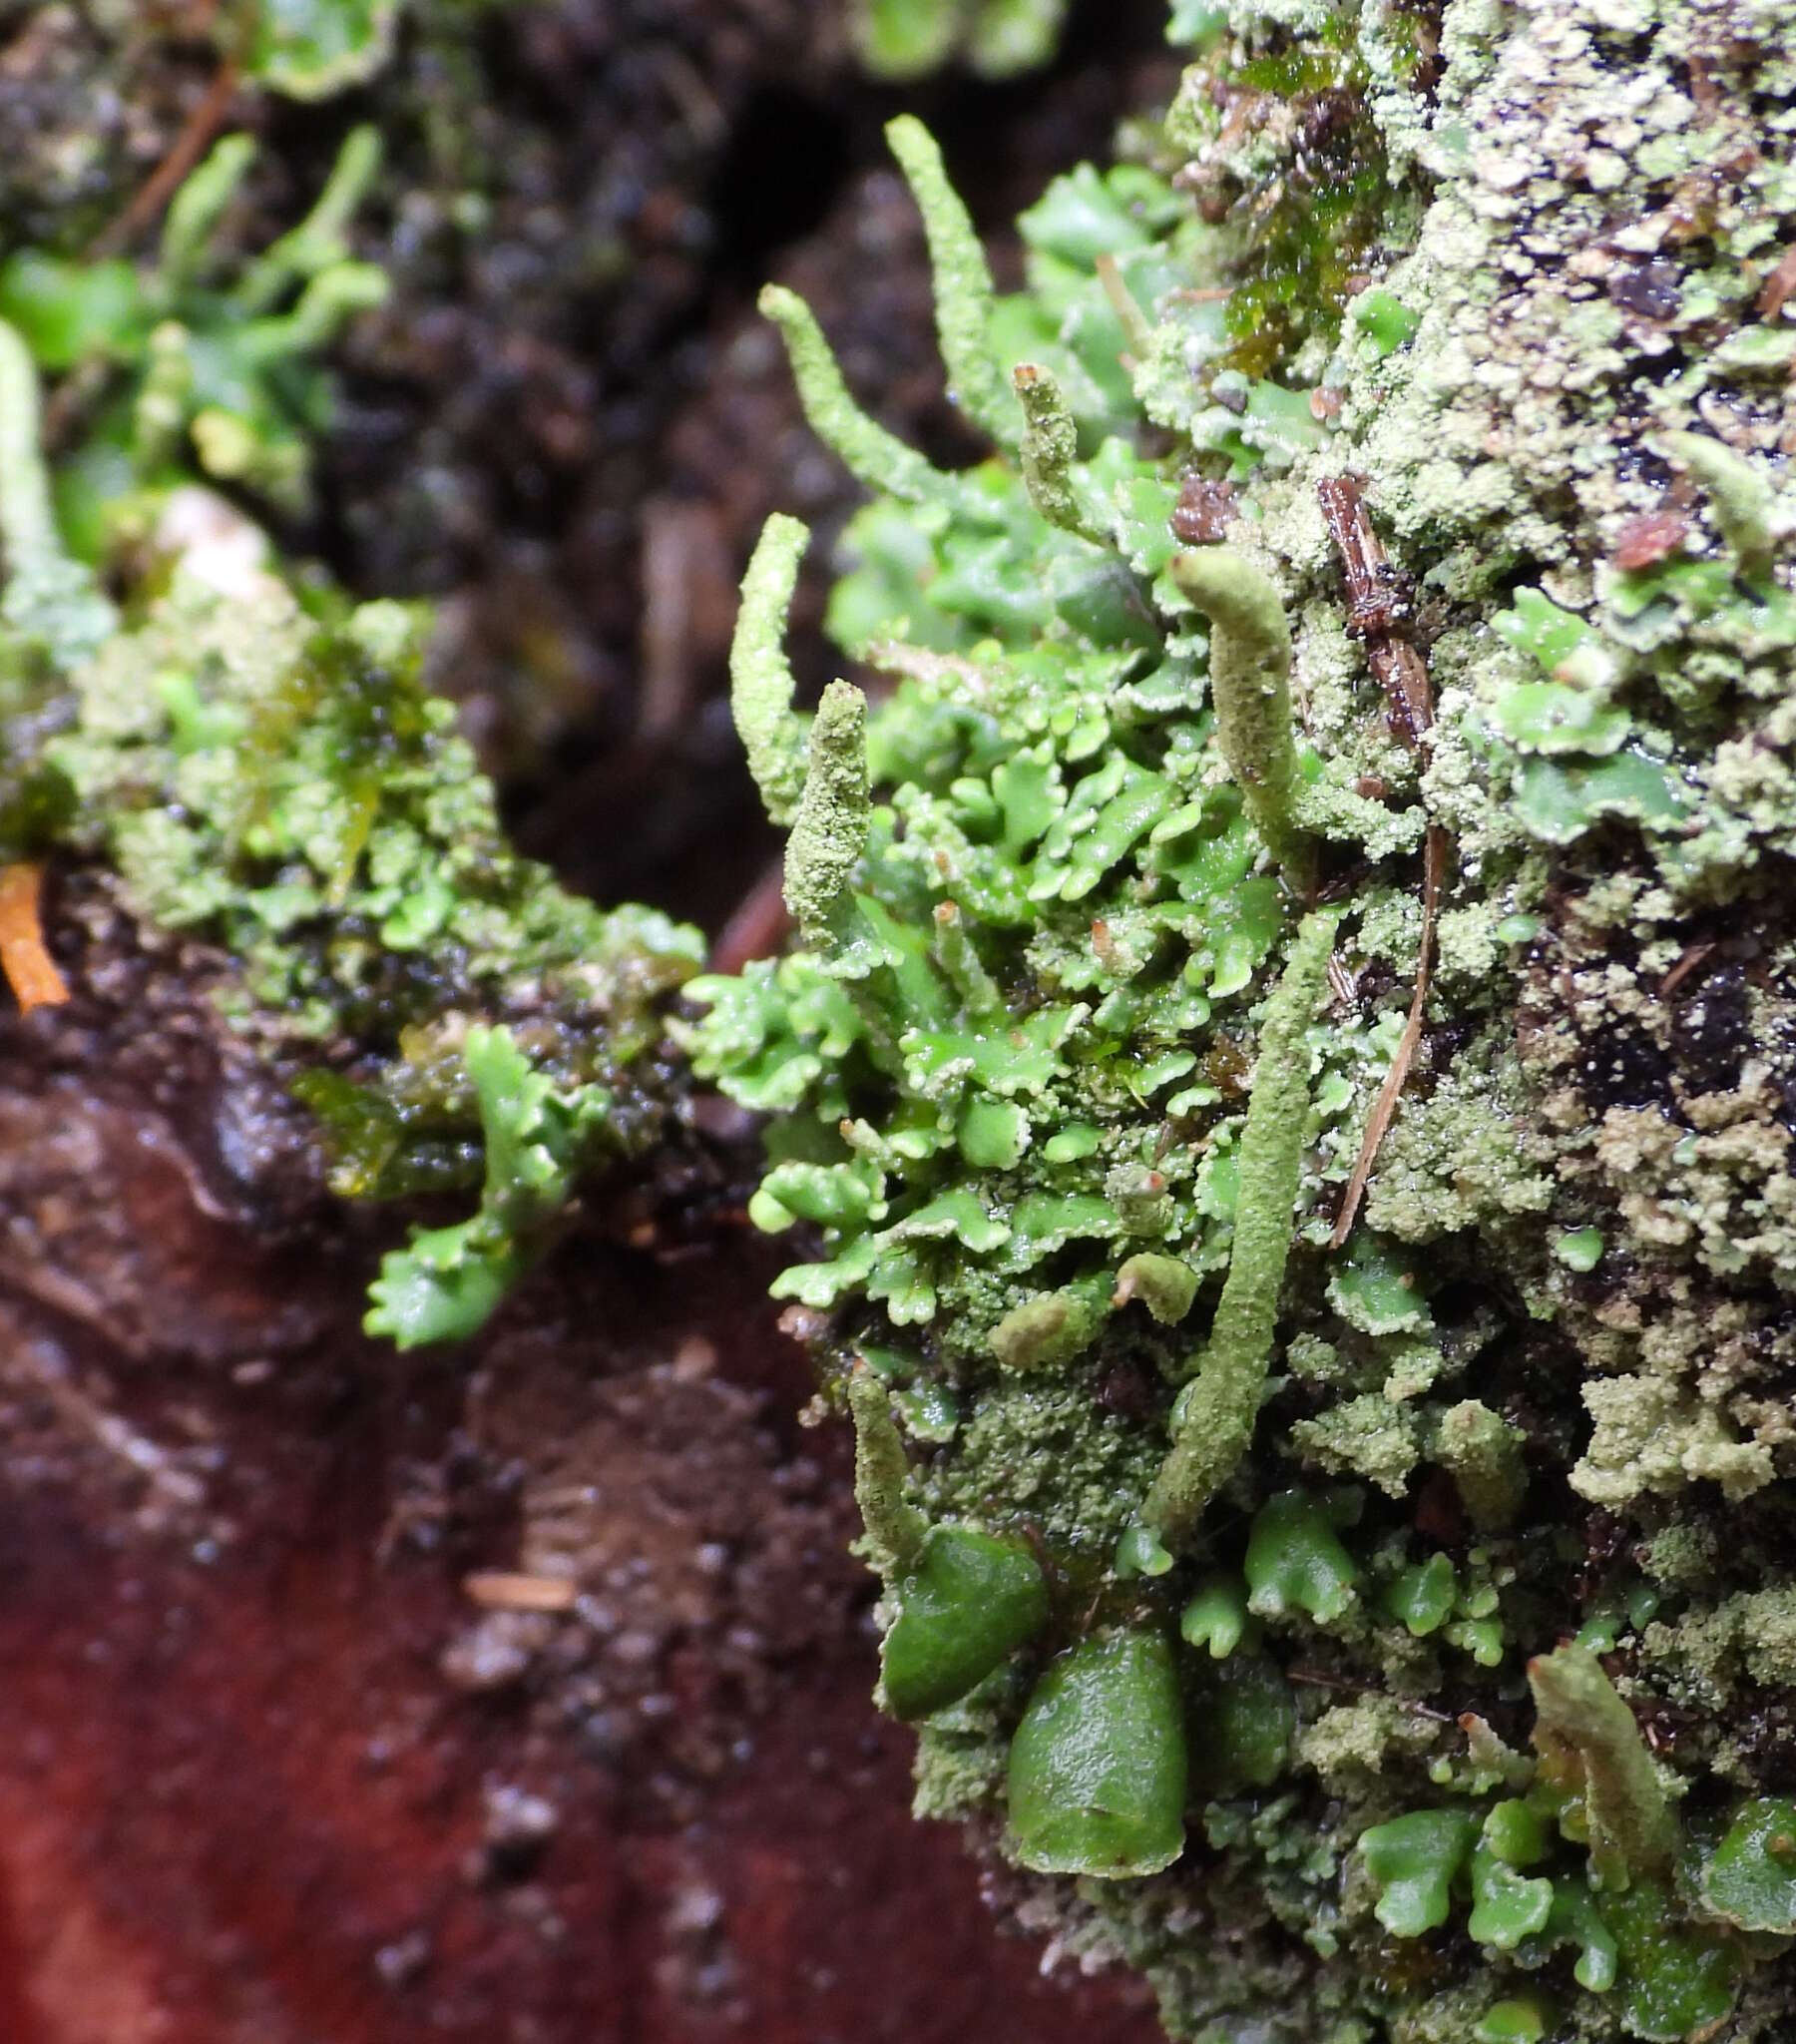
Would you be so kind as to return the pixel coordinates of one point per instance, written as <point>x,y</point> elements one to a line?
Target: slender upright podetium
<point>1214,1422</point>
<point>44,595</point>
<point>964,301</point>
<point>832,822</point>
<point>1591,1744</point>
<point>894,1526</point>
<point>1250,685</point>
<point>1050,449</point>
<point>872,455</point>
<point>760,676</point>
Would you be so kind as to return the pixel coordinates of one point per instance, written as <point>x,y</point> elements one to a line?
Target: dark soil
<point>284,1756</point>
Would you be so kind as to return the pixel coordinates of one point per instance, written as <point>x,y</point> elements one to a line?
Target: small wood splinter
<point>1377,607</point>
<point>30,970</point>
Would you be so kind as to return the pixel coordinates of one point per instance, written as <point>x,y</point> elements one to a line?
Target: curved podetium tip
<point>964,300</point>
<point>1250,685</point>
<point>760,677</point>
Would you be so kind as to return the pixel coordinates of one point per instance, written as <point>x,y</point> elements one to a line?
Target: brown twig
<point>1778,287</point>
<point>187,147</point>
<point>1133,322</point>
<point>508,1590</point>
<point>1377,608</point>
<point>1693,957</point>
<point>1384,1108</point>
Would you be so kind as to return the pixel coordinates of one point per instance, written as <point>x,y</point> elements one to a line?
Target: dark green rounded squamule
<point>969,1603</point>
<point>1097,1765</point>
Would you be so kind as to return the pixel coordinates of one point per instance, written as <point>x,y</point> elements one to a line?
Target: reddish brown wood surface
<point>268,1774</point>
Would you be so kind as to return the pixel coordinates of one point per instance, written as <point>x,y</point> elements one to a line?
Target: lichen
<point>907,38</point>
<point>283,787</point>
<point>170,370</point>
<point>1508,280</point>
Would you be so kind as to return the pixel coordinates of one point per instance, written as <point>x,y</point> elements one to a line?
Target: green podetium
<point>760,677</point>
<point>872,455</point>
<point>1250,683</point>
<point>1097,1763</point>
<point>830,827</point>
<point>43,597</point>
<point>1048,452</point>
<point>964,298</point>
<point>895,1529</point>
<point>1214,1417</point>
<point>966,1599</point>
<point>1740,495</point>
<point>1590,1746</point>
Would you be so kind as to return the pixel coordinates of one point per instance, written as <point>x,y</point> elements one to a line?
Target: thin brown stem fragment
<point>206,118</point>
<point>1378,605</point>
<point>1384,1108</point>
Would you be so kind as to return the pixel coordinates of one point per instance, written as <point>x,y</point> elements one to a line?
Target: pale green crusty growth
<point>871,456</point>
<point>1739,492</point>
<point>1220,1405</point>
<point>894,1527</point>
<point>1053,1326</point>
<point>963,283</point>
<point>1483,1454</point>
<point>48,599</point>
<point>1250,683</point>
<point>830,825</point>
<point>760,676</point>
<point>1588,1741</point>
<point>1049,451</point>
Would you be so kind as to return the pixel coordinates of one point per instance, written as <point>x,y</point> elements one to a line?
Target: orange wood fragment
<point>30,970</point>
